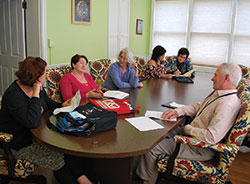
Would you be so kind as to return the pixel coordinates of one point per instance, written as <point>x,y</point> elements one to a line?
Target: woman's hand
<point>95,93</point>
<point>169,114</point>
<point>167,76</point>
<point>83,180</point>
<point>177,72</point>
<point>135,66</point>
<point>37,86</point>
<point>140,85</point>
<point>67,102</point>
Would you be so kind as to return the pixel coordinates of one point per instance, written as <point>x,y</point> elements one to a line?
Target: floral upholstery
<point>142,65</point>
<point>244,84</point>
<point>99,70</point>
<point>23,168</point>
<point>4,137</point>
<point>217,169</point>
<point>53,76</point>
<point>245,72</point>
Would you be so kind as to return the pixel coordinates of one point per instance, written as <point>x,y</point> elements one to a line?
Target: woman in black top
<point>22,105</point>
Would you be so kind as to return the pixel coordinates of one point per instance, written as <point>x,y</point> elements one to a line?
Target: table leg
<point>113,171</point>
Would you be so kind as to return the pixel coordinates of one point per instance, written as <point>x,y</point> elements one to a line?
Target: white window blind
<point>170,25</point>
<point>241,48</point>
<point>210,29</point>
<point>215,31</point>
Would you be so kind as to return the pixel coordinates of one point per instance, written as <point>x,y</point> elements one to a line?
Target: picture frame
<point>139,26</point>
<point>81,11</point>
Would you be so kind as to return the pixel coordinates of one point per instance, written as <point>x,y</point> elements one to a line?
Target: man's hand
<point>169,114</point>
<point>186,130</point>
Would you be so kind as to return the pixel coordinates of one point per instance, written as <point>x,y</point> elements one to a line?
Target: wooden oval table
<point>114,150</point>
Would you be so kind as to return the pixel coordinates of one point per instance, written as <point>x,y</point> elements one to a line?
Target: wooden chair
<point>217,169</point>
<point>12,169</point>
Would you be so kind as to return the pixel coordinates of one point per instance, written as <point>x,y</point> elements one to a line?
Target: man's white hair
<point>129,55</point>
<point>234,72</point>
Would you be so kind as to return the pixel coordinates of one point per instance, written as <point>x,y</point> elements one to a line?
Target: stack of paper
<point>115,94</point>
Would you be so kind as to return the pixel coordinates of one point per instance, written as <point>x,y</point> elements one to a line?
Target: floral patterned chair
<point>217,169</point>
<point>12,169</point>
<point>99,69</point>
<point>245,72</point>
<point>53,77</point>
<point>142,65</point>
<point>244,84</point>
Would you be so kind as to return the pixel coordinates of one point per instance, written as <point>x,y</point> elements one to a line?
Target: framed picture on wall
<point>139,24</point>
<point>81,11</point>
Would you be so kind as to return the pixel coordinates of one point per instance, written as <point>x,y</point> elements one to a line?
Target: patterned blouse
<point>155,71</point>
<point>184,67</point>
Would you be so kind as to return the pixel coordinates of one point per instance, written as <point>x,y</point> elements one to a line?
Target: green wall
<point>90,40</point>
<point>140,9</point>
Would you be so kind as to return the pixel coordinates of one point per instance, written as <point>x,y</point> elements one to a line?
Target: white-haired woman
<point>123,74</point>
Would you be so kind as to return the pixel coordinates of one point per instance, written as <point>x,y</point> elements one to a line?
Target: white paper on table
<point>116,94</point>
<point>73,104</point>
<point>174,104</point>
<point>144,123</point>
<point>244,149</point>
<point>157,114</point>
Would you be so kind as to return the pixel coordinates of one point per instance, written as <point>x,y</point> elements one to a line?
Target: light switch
<point>51,43</point>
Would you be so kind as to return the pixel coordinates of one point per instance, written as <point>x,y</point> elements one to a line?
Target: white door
<point>12,48</point>
<point>12,35</point>
<point>119,18</point>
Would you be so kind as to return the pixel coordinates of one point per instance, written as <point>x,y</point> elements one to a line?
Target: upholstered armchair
<point>217,169</point>
<point>12,169</point>
<point>99,70</point>
<point>142,65</point>
<point>53,77</point>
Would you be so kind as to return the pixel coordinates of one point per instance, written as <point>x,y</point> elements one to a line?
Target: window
<point>214,31</point>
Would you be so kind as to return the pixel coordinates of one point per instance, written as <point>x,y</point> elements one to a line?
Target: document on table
<point>157,114</point>
<point>174,104</point>
<point>186,74</point>
<point>144,123</point>
<point>73,104</point>
<point>115,94</point>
